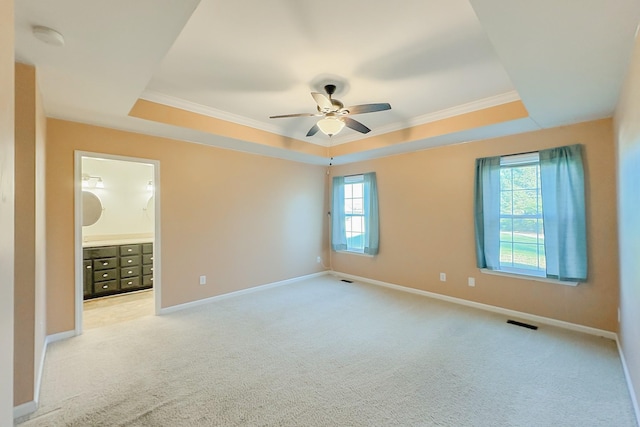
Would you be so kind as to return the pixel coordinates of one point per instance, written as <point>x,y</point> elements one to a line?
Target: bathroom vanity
<point>117,268</point>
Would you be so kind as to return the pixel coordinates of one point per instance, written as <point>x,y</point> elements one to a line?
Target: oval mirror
<point>91,208</point>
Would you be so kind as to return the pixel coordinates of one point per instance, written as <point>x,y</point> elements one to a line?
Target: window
<point>354,212</point>
<point>521,222</point>
<point>530,214</point>
<point>354,219</point>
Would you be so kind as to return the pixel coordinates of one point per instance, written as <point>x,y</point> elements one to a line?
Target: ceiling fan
<point>335,114</point>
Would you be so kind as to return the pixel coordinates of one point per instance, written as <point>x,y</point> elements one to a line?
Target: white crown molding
<point>194,107</point>
<point>469,107</point>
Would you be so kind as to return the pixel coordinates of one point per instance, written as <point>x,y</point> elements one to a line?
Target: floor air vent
<point>524,325</point>
<point>346,281</point>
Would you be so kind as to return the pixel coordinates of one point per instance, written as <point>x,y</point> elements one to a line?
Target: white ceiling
<point>244,60</point>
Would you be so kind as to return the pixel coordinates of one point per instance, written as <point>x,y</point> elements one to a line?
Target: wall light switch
<point>472,281</point>
<point>203,280</point>
<point>443,277</point>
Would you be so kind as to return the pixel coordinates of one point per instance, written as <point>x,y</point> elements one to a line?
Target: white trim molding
<point>627,377</point>
<point>469,107</point>
<point>205,110</point>
<point>486,307</point>
<point>59,337</point>
<point>157,237</point>
<point>31,406</point>
<point>258,288</point>
<point>527,277</point>
<point>24,409</point>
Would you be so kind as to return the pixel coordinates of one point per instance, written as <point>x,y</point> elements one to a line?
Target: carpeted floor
<point>326,353</point>
<point>106,311</point>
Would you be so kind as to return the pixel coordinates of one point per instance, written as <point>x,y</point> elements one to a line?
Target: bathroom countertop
<point>119,241</point>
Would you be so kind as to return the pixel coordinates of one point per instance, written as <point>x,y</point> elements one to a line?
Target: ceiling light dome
<point>330,125</point>
<point>48,35</point>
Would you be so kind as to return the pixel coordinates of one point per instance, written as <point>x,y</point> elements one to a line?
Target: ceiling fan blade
<point>314,129</point>
<point>295,115</point>
<point>355,125</point>
<point>368,108</point>
<point>322,101</point>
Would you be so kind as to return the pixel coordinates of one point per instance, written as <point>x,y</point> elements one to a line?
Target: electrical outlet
<point>472,281</point>
<point>318,260</point>
<point>443,277</point>
<point>203,280</point>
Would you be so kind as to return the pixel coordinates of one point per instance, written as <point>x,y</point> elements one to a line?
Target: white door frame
<point>157,280</point>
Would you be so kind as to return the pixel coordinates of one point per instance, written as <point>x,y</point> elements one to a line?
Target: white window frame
<point>351,180</point>
<point>525,159</point>
<point>518,273</point>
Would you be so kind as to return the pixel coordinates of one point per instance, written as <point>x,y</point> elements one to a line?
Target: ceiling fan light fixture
<point>330,125</point>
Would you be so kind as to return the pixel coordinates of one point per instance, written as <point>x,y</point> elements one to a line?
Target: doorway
<point>117,239</point>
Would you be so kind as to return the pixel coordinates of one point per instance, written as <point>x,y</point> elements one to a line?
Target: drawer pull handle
<point>151,268</point>
<point>105,275</point>
<point>105,263</point>
<point>152,279</point>
<point>129,261</point>
<point>105,286</point>
<point>129,250</point>
<point>129,272</point>
<point>129,283</point>
<point>88,266</point>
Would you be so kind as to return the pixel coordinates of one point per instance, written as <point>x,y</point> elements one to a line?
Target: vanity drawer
<point>126,261</point>
<point>147,269</point>
<point>147,258</point>
<point>147,280</point>
<point>131,282</point>
<point>126,250</point>
<point>105,287</point>
<point>147,248</point>
<point>129,272</point>
<point>88,286</point>
<point>105,263</point>
<point>103,275</point>
<point>100,252</point>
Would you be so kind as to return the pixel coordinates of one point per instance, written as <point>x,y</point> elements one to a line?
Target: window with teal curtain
<point>563,200</point>
<point>530,214</point>
<point>355,222</point>
<point>487,212</point>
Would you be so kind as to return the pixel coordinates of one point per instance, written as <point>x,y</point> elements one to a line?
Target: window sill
<point>355,253</point>
<point>527,277</point>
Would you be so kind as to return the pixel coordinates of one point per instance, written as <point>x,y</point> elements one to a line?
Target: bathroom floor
<point>117,309</point>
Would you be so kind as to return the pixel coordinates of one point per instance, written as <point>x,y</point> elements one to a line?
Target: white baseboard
<point>31,406</point>
<point>627,377</point>
<point>59,336</point>
<point>238,293</point>
<point>487,307</point>
<point>24,409</point>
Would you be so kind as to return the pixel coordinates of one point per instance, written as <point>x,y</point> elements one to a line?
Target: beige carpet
<point>99,312</point>
<point>326,353</point>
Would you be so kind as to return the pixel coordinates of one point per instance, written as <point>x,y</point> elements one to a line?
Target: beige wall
<point>627,129</point>
<point>242,220</point>
<point>426,227</point>
<point>25,233</point>
<point>7,110</point>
